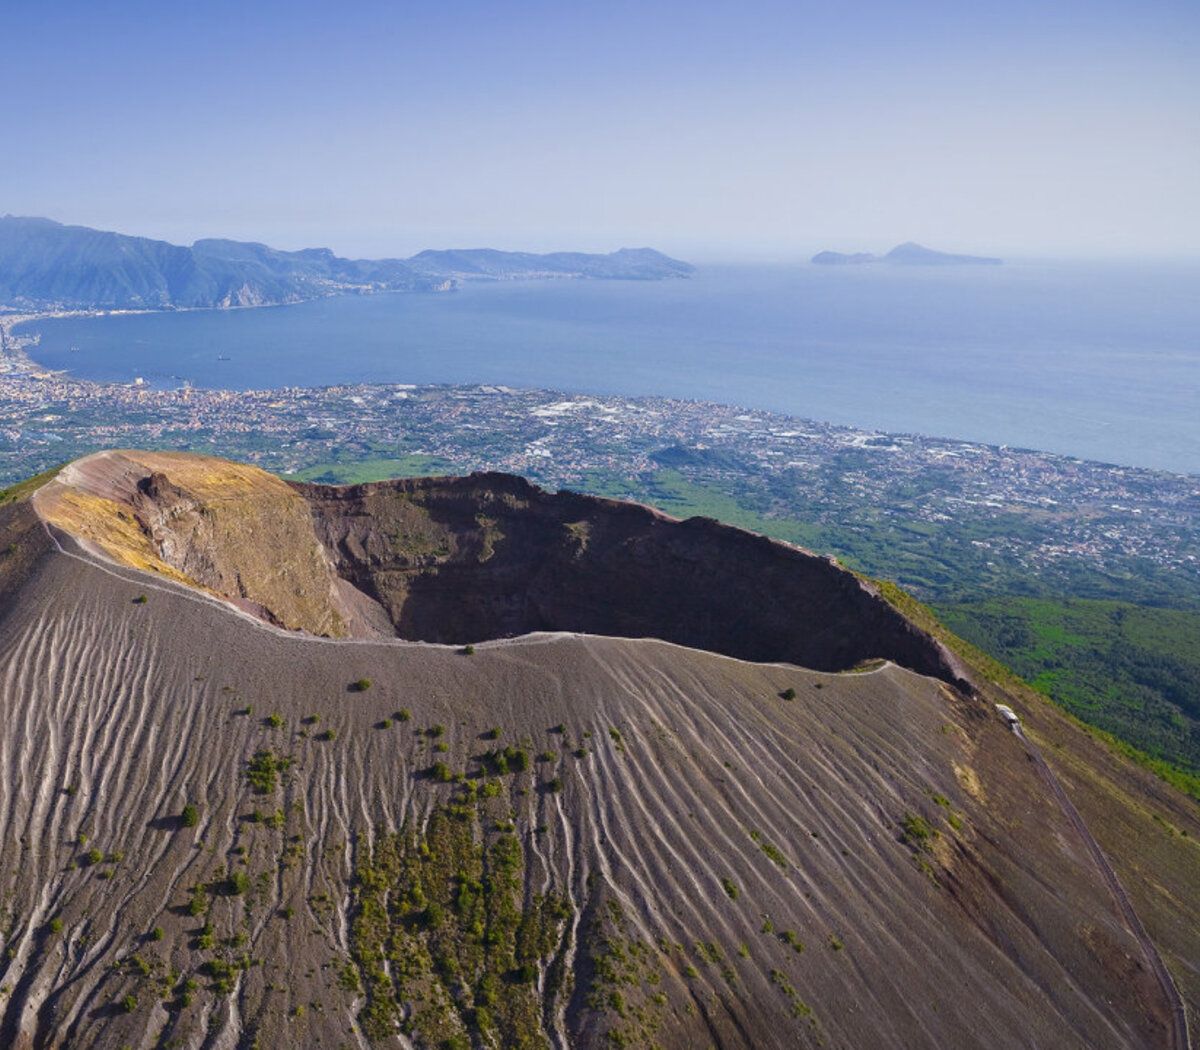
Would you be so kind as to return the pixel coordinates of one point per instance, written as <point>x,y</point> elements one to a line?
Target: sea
<point>1095,360</point>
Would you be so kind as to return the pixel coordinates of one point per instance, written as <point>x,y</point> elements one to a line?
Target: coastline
<point>13,358</point>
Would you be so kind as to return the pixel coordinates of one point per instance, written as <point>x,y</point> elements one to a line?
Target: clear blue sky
<point>707,129</point>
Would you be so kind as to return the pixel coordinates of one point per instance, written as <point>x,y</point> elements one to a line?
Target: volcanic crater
<point>460,560</point>
<point>459,763</point>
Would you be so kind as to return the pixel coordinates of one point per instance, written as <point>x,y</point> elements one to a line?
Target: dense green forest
<point>1132,670</point>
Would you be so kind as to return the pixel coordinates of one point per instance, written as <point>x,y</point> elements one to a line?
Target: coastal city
<point>935,512</point>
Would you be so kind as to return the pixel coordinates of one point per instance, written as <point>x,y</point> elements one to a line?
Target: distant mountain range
<point>46,265</point>
<point>907,254</point>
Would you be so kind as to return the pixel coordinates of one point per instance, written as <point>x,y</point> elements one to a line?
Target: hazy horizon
<point>713,132</point>
<point>698,253</point>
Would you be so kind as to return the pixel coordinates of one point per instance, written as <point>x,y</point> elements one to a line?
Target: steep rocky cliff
<point>488,556</point>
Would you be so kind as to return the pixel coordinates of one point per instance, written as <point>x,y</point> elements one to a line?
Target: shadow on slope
<point>458,560</point>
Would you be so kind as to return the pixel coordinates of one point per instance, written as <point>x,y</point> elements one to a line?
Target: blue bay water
<point>1100,361</point>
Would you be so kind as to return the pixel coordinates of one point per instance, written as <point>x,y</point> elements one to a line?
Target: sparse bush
<point>94,856</point>
<point>157,934</point>
<point>435,731</point>
<point>440,772</point>
<point>222,974</point>
<point>492,734</point>
<point>198,904</point>
<point>774,853</point>
<point>56,925</point>
<point>129,1003</point>
<point>916,831</point>
<point>730,888</point>
<point>385,723</point>
<point>329,734</point>
<point>510,760</point>
<point>262,770</point>
<point>237,884</point>
<point>403,715</point>
<point>275,721</point>
<point>190,816</point>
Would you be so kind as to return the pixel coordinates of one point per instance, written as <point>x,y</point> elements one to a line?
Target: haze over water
<point>1100,361</point>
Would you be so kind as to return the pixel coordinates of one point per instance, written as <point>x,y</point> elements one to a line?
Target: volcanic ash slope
<point>217,832</point>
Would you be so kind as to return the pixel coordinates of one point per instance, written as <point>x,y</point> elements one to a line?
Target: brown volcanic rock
<point>231,529</point>
<point>654,891</point>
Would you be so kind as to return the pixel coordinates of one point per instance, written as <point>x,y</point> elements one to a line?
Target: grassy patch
<point>443,925</point>
<point>1130,670</point>
<point>347,473</point>
<point>24,489</point>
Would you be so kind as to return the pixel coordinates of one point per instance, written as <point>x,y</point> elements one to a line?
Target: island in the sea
<point>907,254</point>
<point>45,265</point>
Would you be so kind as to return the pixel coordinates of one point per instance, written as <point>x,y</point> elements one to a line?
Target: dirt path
<point>1180,1037</point>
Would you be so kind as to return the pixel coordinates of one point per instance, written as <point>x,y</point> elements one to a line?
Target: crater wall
<point>460,560</point>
